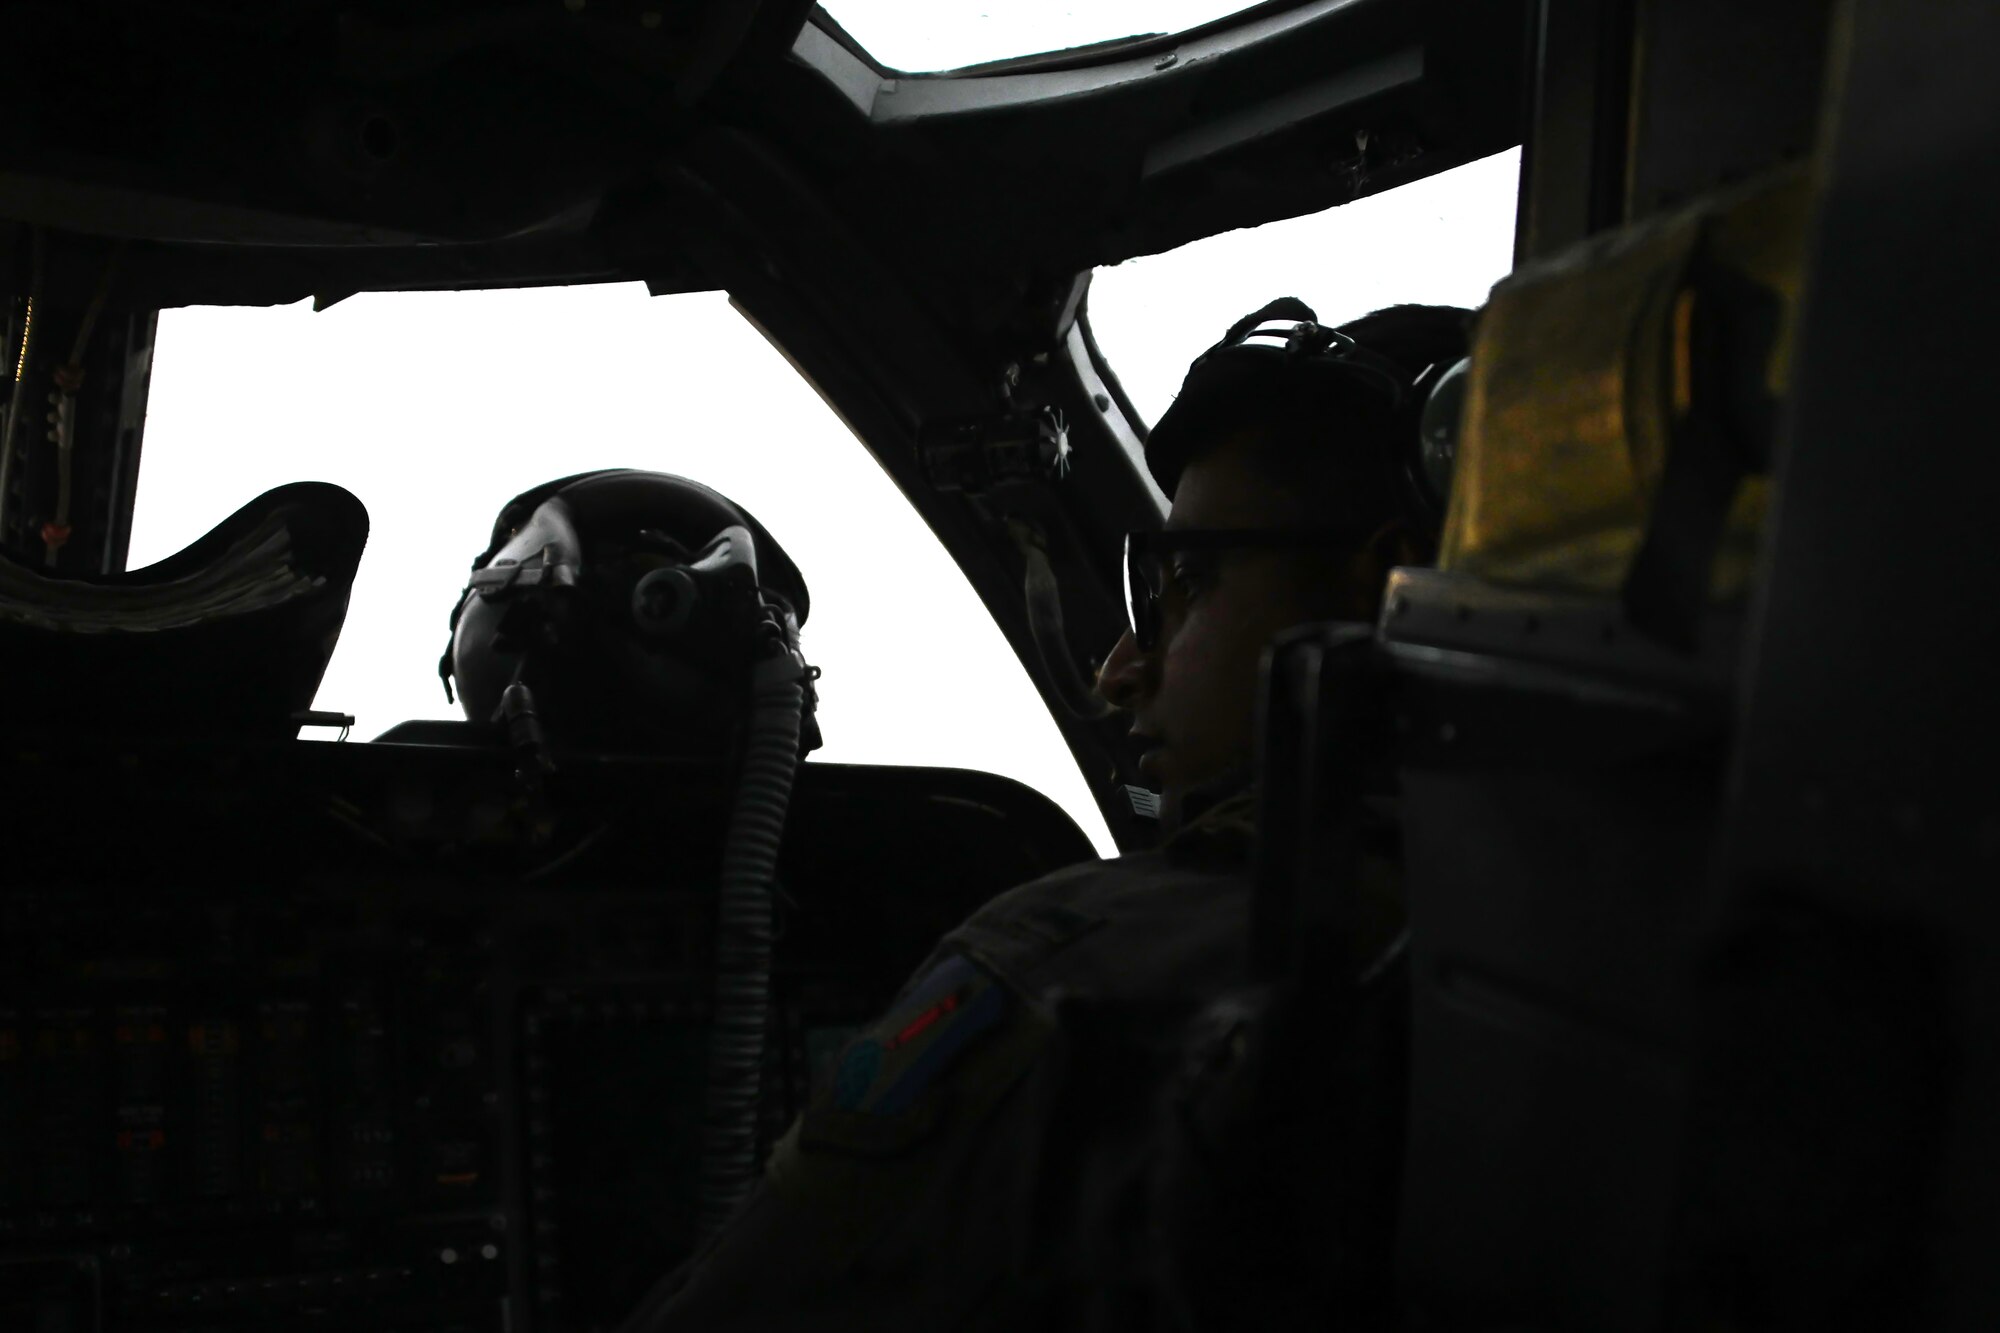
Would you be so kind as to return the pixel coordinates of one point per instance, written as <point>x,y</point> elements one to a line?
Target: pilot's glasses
<point>1150,557</point>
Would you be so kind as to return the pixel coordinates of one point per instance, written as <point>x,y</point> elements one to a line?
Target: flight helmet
<point>629,602</point>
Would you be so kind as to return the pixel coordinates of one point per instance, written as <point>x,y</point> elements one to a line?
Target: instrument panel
<point>354,1067</point>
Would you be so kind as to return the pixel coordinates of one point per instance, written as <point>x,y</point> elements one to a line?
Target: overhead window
<point>1443,240</point>
<point>436,408</point>
<point>950,34</point>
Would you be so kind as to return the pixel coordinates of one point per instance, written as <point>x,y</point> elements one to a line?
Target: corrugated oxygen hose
<point>744,930</point>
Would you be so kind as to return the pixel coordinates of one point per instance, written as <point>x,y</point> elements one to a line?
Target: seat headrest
<point>228,637</point>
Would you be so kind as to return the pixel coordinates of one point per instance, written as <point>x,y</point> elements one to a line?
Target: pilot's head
<point>1294,492</point>
<point>597,592</point>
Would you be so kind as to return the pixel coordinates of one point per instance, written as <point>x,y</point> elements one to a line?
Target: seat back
<point>1558,831</point>
<point>227,638</point>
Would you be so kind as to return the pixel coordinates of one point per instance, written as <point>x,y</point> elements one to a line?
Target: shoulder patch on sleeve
<point>888,1087</point>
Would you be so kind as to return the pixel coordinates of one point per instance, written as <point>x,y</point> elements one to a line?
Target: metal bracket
<point>975,456</point>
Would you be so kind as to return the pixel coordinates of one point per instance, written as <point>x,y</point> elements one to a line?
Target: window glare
<point>436,408</point>
<point>919,35</point>
<point>1443,240</point>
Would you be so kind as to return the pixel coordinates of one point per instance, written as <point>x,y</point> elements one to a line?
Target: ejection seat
<point>1554,703</point>
<point>227,638</point>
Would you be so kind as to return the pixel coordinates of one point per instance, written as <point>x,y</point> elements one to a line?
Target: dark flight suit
<point>972,1149</point>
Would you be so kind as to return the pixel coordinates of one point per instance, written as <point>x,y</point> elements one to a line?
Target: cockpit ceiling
<point>935,35</point>
<point>253,154</point>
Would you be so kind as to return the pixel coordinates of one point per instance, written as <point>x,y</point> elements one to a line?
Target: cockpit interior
<point>1687,733</point>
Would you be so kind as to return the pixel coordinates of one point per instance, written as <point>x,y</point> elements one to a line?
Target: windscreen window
<point>1444,240</point>
<point>950,34</point>
<point>437,408</point>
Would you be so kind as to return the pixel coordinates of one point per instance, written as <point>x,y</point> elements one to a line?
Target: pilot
<point>938,1180</point>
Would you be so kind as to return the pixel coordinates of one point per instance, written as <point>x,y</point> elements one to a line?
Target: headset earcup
<point>1440,393</point>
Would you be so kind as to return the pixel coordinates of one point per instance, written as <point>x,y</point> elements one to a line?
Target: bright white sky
<point>919,35</point>
<point>436,408</point>
<point>1444,240</point>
